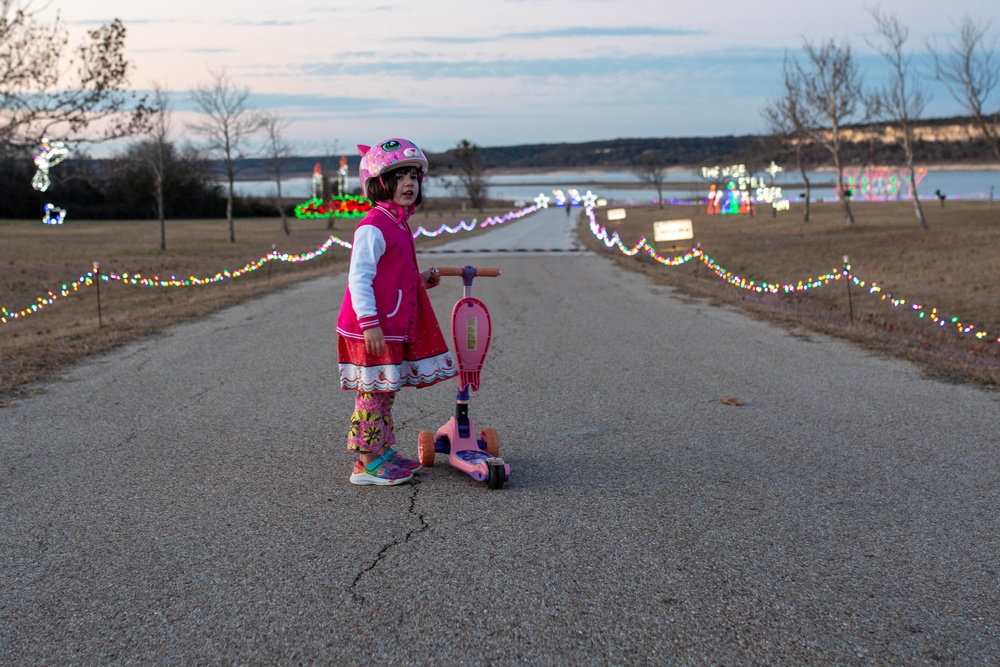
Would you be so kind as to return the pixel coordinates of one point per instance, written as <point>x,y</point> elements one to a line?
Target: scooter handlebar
<point>457,271</point>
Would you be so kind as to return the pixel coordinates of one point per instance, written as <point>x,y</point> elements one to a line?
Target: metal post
<point>97,281</point>
<point>847,274</point>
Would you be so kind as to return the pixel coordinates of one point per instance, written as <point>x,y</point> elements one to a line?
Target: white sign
<point>616,214</point>
<point>673,230</point>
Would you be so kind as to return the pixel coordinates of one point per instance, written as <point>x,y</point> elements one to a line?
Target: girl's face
<point>407,186</point>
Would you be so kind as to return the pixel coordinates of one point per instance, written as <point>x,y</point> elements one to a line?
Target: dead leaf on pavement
<point>732,401</point>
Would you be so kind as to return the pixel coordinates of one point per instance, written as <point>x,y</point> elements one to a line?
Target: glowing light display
<point>317,181</point>
<point>342,176</point>
<point>50,154</point>
<point>881,183</point>
<point>340,206</point>
<point>734,190</point>
<point>53,215</point>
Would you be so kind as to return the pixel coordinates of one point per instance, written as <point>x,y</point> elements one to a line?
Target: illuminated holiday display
<point>734,190</point>
<point>341,206</point>
<point>53,215</point>
<point>342,176</point>
<point>844,273</point>
<point>317,181</point>
<point>50,154</point>
<point>881,183</point>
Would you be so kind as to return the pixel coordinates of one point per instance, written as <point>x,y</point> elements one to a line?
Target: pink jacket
<point>384,280</point>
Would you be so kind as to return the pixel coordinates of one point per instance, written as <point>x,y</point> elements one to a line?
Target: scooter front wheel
<point>496,478</point>
<point>425,448</point>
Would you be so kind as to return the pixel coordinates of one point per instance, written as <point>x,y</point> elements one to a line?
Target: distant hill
<point>943,141</point>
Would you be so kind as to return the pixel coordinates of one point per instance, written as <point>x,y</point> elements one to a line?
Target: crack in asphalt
<point>384,551</point>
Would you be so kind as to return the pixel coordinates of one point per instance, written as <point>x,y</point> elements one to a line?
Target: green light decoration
<point>339,206</point>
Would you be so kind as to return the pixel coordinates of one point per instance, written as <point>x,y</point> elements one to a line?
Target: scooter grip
<point>457,271</point>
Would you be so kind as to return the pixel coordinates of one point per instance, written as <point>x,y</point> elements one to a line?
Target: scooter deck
<point>467,453</point>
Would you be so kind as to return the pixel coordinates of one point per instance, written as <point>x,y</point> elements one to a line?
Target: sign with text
<point>616,214</point>
<point>673,230</point>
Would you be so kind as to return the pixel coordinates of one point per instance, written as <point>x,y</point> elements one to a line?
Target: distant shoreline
<point>697,168</point>
<point>254,175</point>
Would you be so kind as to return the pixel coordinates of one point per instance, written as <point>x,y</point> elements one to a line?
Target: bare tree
<point>902,100</point>
<point>650,168</point>
<point>971,72</point>
<point>472,176</point>
<point>44,91</point>
<point>156,157</point>
<point>833,95</point>
<point>278,150</point>
<point>229,124</point>
<point>787,118</point>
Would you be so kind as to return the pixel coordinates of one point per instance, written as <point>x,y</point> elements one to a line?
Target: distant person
<point>387,335</point>
<point>569,206</point>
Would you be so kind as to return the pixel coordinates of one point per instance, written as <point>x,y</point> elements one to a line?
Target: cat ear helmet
<point>390,154</point>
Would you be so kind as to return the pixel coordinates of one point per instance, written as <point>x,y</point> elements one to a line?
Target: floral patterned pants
<point>371,424</point>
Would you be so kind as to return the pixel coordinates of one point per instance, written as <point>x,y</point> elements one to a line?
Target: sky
<point>503,72</point>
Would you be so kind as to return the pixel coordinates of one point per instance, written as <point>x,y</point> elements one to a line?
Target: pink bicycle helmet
<point>389,154</point>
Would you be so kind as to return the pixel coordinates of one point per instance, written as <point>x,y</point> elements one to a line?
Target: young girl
<point>388,337</point>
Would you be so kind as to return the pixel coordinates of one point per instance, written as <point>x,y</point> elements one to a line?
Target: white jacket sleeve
<point>368,247</point>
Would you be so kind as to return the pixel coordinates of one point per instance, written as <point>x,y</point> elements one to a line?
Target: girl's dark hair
<point>379,192</point>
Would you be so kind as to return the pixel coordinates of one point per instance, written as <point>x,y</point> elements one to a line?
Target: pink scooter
<point>470,329</point>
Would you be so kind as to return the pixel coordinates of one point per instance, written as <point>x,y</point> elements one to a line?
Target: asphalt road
<point>184,500</point>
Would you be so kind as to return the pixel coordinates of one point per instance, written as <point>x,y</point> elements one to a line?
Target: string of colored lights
<point>835,274</point>
<point>136,279</point>
<point>469,226</point>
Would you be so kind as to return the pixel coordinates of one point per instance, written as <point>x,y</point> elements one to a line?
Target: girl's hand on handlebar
<point>432,277</point>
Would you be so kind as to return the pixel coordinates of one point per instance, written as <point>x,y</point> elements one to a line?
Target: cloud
<point>128,23</point>
<point>268,23</point>
<point>308,105</point>
<point>571,33</point>
<point>748,61</point>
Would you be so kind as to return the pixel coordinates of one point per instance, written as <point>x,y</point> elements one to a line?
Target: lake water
<point>684,186</point>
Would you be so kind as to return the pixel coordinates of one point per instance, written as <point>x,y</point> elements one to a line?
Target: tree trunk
<point>805,180</point>
<point>840,190</point>
<point>162,213</point>
<point>908,150</point>
<point>229,211</point>
<point>281,209</point>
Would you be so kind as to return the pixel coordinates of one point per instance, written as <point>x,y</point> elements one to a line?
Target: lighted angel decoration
<point>51,154</point>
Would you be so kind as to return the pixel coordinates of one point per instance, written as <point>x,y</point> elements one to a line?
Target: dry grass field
<point>36,259</point>
<point>954,267</point>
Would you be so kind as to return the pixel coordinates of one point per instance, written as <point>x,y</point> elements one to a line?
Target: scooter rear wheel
<point>425,448</point>
<point>489,435</point>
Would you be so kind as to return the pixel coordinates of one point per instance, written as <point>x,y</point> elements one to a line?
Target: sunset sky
<point>503,72</point>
